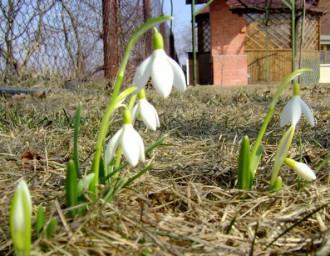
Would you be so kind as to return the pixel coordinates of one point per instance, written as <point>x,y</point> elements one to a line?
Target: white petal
<point>149,114</point>
<point>141,155</point>
<point>179,81</point>
<point>19,214</point>
<point>291,112</point>
<point>161,73</point>
<point>142,73</point>
<point>307,112</point>
<point>135,112</point>
<point>304,171</point>
<point>84,183</point>
<point>111,147</point>
<point>131,143</point>
<point>24,190</point>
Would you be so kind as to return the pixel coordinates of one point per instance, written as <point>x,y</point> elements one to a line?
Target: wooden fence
<point>273,65</point>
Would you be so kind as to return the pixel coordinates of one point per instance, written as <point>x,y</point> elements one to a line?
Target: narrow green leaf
<point>71,186</point>
<point>278,184</point>
<point>124,94</point>
<point>76,132</point>
<point>255,160</point>
<point>244,171</point>
<point>51,228</point>
<point>287,3</point>
<point>138,175</point>
<point>40,220</point>
<point>281,153</point>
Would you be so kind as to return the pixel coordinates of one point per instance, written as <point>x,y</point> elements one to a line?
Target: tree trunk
<point>147,13</point>
<point>110,9</point>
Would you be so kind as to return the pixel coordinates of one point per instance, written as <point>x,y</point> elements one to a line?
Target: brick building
<point>242,41</point>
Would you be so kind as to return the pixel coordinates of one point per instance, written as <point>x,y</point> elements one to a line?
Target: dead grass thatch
<point>187,204</point>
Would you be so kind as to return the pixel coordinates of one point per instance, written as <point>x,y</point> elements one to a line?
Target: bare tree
<point>110,10</point>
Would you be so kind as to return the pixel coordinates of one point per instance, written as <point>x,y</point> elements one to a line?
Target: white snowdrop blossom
<point>164,71</point>
<point>129,140</point>
<point>302,170</point>
<point>294,108</point>
<point>147,112</point>
<point>20,219</point>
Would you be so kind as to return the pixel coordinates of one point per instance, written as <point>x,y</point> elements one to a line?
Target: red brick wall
<point>325,19</point>
<point>229,59</point>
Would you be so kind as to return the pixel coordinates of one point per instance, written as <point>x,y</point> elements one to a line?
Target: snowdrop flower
<point>146,111</point>
<point>20,219</point>
<point>130,141</point>
<point>302,170</point>
<point>293,109</point>
<point>164,71</point>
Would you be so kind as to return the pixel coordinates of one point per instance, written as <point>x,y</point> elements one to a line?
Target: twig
<point>296,224</point>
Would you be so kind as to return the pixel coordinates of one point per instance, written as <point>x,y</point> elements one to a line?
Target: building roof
<point>325,19</point>
<point>197,1</point>
<point>260,5</point>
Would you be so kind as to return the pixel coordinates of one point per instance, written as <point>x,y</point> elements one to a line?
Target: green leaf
<point>278,184</point>
<point>76,131</point>
<point>287,3</point>
<point>281,153</point>
<point>71,186</point>
<point>40,220</point>
<point>124,94</point>
<point>51,228</point>
<point>244,171</point>
<point>255,160</point>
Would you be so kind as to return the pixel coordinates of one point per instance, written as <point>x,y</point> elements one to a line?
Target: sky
<point>182,13</point>
<point>182,19</point>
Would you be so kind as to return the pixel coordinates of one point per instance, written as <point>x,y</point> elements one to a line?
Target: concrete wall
<point>325,73</point>
<point>228,33</point>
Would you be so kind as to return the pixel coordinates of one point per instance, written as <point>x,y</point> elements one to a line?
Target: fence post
<point>110,12</point>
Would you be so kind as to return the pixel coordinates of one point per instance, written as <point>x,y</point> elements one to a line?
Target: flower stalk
<point>111,106</point>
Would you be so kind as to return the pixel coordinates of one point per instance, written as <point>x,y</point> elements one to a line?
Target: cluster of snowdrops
<point>108,159</point>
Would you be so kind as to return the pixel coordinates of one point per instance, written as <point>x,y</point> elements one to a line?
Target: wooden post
<point>193,21</point>
<point>110,12</point>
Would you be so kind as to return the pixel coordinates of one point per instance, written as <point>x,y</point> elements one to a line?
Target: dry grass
<point>187,204</point>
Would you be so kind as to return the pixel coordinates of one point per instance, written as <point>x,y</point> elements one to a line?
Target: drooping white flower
<point>20,219</point>
<point>146,111</point>
<point>293,109</point>
<point>302,170</point>
<point>129,140</point>
<point>164,71</point>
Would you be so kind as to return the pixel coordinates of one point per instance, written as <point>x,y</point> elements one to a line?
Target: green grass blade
<point>244,171</point>
<point>51,228</point>
<point>71,186</point>
<point>40,220</point>
<point>76,131</point>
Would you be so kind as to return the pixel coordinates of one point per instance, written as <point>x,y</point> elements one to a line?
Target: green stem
<point>281,88</point>
<point>111,103</point>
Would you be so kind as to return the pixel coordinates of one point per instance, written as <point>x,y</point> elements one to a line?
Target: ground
<point>188,204</point>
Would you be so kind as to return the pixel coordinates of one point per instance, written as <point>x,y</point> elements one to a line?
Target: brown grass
<point>187,204</point>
